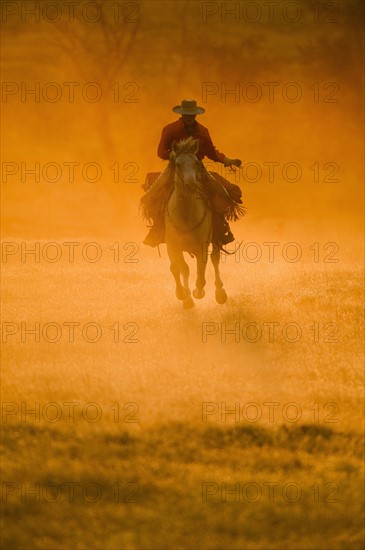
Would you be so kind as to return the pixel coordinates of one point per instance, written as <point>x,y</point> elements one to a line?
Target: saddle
<point>225,197</point>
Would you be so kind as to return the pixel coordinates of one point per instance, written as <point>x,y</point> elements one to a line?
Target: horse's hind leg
<point>220,293</point>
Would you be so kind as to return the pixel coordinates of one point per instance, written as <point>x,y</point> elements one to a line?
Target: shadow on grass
<point>180,438</point>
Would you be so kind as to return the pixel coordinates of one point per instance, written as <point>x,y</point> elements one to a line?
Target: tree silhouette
<point>99,52</point>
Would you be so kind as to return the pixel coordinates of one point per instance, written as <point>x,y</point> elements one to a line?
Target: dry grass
<point>169,373</point>
<point>169,467</point>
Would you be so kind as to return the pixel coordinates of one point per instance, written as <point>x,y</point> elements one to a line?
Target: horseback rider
<point>183,128</point>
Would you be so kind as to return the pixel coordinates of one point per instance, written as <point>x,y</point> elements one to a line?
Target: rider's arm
<point>164,147</point>
<point>213,153</point>
<point>210,151</point>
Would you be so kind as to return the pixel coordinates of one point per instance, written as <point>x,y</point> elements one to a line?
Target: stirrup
<point>227,238</point>
<point>153,238</point>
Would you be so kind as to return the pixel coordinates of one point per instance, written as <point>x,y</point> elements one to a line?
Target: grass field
<point>156,463</point>
<point>170,488</point>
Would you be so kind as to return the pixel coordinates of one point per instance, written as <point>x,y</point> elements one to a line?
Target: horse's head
<point>186,165</point>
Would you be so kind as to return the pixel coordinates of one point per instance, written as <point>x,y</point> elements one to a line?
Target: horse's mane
<point>187,145</point>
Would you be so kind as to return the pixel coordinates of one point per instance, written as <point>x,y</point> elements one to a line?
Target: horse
<point>188,222</point>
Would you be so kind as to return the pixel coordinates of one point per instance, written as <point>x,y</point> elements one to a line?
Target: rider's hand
<point>232,162</point>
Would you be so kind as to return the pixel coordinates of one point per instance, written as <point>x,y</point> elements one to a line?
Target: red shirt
<point>177,130</point>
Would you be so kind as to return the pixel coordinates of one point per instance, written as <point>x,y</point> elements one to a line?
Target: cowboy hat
<point>188,107</point>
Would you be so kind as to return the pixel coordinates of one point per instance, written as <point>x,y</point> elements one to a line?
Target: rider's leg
<point>156,234</point>
<point>156,198</point>
<point>221,231</point>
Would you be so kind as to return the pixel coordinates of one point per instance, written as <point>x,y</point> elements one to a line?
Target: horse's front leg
<point>175,268</point>
<point>188,301</point>
<point>201,264</point>
<point>179,267</point>
<point>220,293</point>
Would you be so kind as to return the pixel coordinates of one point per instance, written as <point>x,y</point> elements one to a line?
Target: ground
<point>151,429</point>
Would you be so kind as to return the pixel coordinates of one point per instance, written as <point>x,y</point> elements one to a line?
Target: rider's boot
<point>227,235</point>
<point>155,236</point>
<point>221,230</point>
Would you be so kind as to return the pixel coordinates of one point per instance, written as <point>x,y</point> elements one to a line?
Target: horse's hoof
<point>188,303</point>
<point>221,296</point>
<point>198,293</point>
<point>181,293</point>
